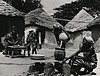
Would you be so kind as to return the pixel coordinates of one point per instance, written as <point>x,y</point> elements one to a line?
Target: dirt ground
<point>18,66</point>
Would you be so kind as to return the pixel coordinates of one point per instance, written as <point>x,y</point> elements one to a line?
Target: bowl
<point>37,56</point>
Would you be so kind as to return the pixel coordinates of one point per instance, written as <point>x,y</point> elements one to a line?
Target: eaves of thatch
<point>96,21</point>
<point>8,10</point>
<point>41,18</point>
<point>79,22</point>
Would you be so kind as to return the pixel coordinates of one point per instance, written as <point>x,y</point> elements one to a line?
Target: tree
<point>25,5</point>
<point>69,10</point>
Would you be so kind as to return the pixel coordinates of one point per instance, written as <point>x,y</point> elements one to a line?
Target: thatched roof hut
<point>84,23</point>
<point>79,22</point>
<point>41,18</point>
<point>76,27</point>
<point>10,16</point>
<point>8,10</point>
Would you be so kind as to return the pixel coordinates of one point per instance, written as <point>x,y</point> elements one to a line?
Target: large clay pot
<point>59,53</point>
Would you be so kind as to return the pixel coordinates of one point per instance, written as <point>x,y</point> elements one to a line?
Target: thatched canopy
<point>41,18</point>
<point>8,10</point>
<point>96,21</point>
<point>79,22</point>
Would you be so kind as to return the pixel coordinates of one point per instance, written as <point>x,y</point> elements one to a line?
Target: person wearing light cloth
<point>86,63</point>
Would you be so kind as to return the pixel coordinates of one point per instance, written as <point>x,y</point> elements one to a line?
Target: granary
<point>39,20</point>
<point>76,28</point>
<point>10,16</point>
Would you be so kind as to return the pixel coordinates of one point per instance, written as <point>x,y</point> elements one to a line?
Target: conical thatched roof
<point>8,10</point>
<point>41,18</point>
<point>79,22</point>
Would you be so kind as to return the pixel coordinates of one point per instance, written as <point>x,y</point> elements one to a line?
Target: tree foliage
<point>25,5</point>
<point>69,10</point>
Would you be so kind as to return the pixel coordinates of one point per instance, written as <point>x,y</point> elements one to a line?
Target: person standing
<point>31,43</point>
<point>34,44</point>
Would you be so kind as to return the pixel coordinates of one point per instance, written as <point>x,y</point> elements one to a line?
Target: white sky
<point>49,5</point>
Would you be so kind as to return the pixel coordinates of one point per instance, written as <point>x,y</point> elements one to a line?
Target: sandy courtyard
<point>18,66</point>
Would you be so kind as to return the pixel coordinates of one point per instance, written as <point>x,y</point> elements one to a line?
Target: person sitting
<point>88,61</point>
<point>11,39</point>
<point>77,64</point>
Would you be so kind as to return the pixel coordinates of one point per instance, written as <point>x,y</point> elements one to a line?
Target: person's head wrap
<point>88,40</point>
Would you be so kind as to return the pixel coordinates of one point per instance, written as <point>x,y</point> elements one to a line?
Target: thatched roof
<point>8,10</point>
<point>79,22</point>
<point>41,18</point>
<point>96,21</point>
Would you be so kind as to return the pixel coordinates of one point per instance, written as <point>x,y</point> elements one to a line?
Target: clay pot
<point>59,53</point>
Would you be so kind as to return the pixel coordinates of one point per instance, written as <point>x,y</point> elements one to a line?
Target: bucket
<point>59,53</point>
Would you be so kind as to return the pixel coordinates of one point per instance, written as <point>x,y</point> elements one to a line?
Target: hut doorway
<point>40,36</point>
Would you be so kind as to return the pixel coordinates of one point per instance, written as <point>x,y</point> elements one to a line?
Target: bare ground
<point>19,66</point>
